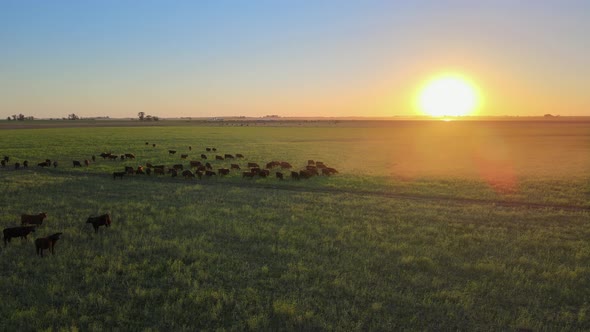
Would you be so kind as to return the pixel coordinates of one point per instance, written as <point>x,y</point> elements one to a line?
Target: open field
<point>428,226</point>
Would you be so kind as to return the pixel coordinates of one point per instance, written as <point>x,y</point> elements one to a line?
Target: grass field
<point>413,234</point>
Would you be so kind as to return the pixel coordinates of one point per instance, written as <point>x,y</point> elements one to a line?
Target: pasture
<point>427,226</point>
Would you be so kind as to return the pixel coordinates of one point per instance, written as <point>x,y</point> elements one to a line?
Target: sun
<point>448,95</point>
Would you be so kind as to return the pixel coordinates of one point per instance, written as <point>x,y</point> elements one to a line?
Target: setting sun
<point>448,95</point>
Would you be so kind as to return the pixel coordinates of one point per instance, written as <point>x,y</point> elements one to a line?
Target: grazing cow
<point>194,163</point>
<point>154,145</point>
<point>118,175</point>
<point>310,162</point>
<point>329,171</point>
<point>279,175</point>
<point>223,171</point>
<point>6,159</point>
<point>93,158</point>
<point>147,143</point>
<point>250,165</point>
<point>199,174</point>
<point>102,220</point>
<point>217,157</point>
<point>48,161</point>
<point>235,166</point>
<point>77,163</point>
<point>160,166</point>
<point>130,156</point>
<point>208,149</point>
<point>306,174</point>
<point>228,156</point>
<point>247,174</point>
<point>171,152</point>
<point>148,171</point>
<point>183,156</point>
<point>209,173</point>
<point>149,165</point>
<point>263,173</point>
<point>86,162</point>
<point>55,164</point>
<point>158,171</point>
<point>239,155</point>
<point>35,219</point>
<point>173,172</point>
<point>190,148</point>
<point>294,175</point>
<point>178,167</point>
<point>201,168</point>
<point>203,156</point>
<point>285,164</point>
<point>129,170</point>
<point>213,149</point>
<point>47,243</point>
<point>20,231</point>
<point>16,165</point>
<point>26,164</point>
<point>105,155</point>
<point>208,166</point>
<point>188,174</point>
<point>43,164</point>
<point>3,163</point>
<point>310,168</point>
<point>320,164</point>
<point>113,157</point>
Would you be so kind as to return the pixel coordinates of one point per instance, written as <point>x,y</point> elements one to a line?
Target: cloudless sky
<point>291,58</point>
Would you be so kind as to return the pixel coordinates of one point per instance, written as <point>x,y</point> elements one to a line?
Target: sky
<point>290,58</point>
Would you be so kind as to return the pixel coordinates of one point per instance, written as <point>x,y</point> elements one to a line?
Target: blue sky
<point>293,58</point>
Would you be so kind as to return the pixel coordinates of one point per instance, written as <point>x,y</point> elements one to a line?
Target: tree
<point>141,115</point>
<point>8,118</point>
<point>14,117</point>
<point>21,117</point>
<point>73,116</point>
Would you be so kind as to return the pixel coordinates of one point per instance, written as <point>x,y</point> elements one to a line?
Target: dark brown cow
<point>239,155</point>
<point>188,174</point>
<point>105,155</point>
<point>154,145</point>
<point>55,164</point>
<point>34,219</point>
<point>310,162</point>
<point>147,143</point>
<point>171,152</point>
<point>178,167</point>
<point>16,165</point>
<point>199,174</point>
<point>279,175</point>
<point>93,158</point>
<point>285,164</point>
<point>208,166</point>
<point>118,175</point>
<point>263,173</point>
<point>209,173</point>
<point>306,174</point>
<point>3,163</point>
<point>223,171</point>
<point>183,156</point>
<point>320,164</point>
<point>113,157</point>
<point>139,170</point>
<point>201,168</point>
<point>294,175</point>
<point>77,163</point>
<point>228,156</point>
<point>86,162</point>
<point>247,174</point>
<point>148,171</point>
<point>203,156</point>
<point>47,243</point>
<point>149,165</point>
<point>158,171</point>
<point>26,164</point>
<point>6,159</point>
<point>218,157</point>
<point>213,149</point>
<point>250,165</point>
<point>208,149</point>
<point>130,155</point>
<point>273,164</point>
<point>129,170</point>
<point>102,220</point>
<point>43,164</point>
<point>20,231</point>
<point>235,166</point>
<point>122,157</point>
<point>173,172</point>
<point>195,163</point>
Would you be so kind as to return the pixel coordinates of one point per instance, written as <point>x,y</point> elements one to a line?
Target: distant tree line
<point>146,117</point>
<point>20,117</point>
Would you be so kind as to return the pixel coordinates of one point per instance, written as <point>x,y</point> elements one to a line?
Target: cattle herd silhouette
<point>195,169</point>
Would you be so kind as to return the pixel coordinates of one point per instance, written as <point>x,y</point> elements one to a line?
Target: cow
<point>148,171</point>
<point>129,170</point>
<point>47,243</point>
<point>279,175</point>
<point>250,165</point>
<point>35,219</point>
<point>310,162</point>
<point>228,156</point>
<point>20,231</point>
<point>255,170</point>
<point>199,174</point>
<point>285,164</point>
<point>102,220</point>
<point>239,155</point>
<point>208,149</point>
<point>320,164</point>
<point>194,163</point>
<point>178,167</point>
<point>329,171</point>
<point>129,156</point>
<point>223,171</point>
<point>26,164</point>
<point>93,158</point>
<point>118,175</point>
<point>183,156</point>
<point>208,166</point>
<point>55,164</point>
<point>16,165</point>
<point>113,157</point>
<point>3,163</point>
<point>209,173</point>
<point>294,175</point>
<point>213,149</point>
<point>203,156</point>
<point>86,162</point>
<point>158,171</point>
<point>154,145</point>
<point>306,174</point>
<point>43,164</point>
<point>218,157</point>
<point>147,143</point>
<point>247,174</point>
<point>149,165</point>
<point>105,155</point>
<point>235,166</point>
<point>48,161</point>
<point>273,164</point>
<point>6,159</point>
<point>173,172</point>
<point>171,152</point>
<point>122,157</point>
<point>77,163</point>
<point>190,148</point>
<point>201,168</point>
<point>139,170</point>
<point>263,173</point>
<point>188,174</point>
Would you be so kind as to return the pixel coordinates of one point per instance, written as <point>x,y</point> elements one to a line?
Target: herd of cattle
<point>198,168</point>
<point>29,224</point>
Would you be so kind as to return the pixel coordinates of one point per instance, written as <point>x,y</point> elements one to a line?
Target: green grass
<point>228,254</point>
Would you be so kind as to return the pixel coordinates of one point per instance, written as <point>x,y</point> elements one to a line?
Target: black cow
<point>46,243</point>
<point>130,155</point>
<point>35,219</point>
<point>183,156</point>
<point>209,173</point>
<point>171,152</point>
<point>247,174</point>
<point>118,175</point>
<point>26,164</point>
<point>250,165</point>
<point>228,156</point>
<point>235,166</point>
<point>16,165</point>
<point>194,163</point>
<point>239,155</point>
<point>178,167</point>
<point>77,163</point>
<point>55,164</point>
<point>203,156</point>
<point>43,164</point>
<point>129,170</point>
<point>102,220</point>
<point>218,157</point>
<point>188,174</point>
<point>279,175</point>
<point>223,171</point>
<point>294,175</point>
<point>20,231</point>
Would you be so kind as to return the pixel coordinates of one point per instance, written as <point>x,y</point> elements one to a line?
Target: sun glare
<point>448,95</point>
